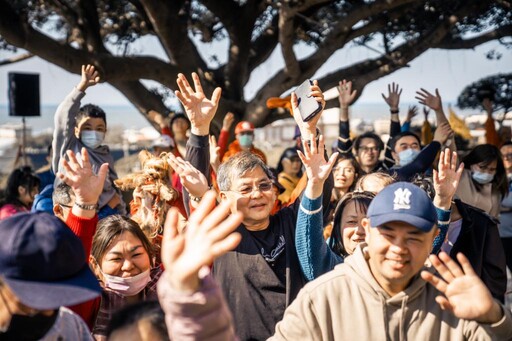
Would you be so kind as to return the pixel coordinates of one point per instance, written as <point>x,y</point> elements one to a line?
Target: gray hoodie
<point>64,139</point>
<point>349,303</point>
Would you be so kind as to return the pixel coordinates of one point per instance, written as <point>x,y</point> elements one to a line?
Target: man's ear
<point>77,132</point>
<point>57,211</point>
<point>222,195</point>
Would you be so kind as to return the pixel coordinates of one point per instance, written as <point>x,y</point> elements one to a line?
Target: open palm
<point>317,168</point>
<point>465,295</point>
<point>447,177</point>
<point>428,99</point>
<point>209,234</point>
<point>200,110</point>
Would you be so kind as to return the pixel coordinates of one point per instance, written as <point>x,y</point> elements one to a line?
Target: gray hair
<point>62,194</point>
<point>236,166</point>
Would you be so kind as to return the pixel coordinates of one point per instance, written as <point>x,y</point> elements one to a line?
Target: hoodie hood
<point>357,267</point>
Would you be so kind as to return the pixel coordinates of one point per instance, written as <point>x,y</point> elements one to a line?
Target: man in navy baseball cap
<point>400,228</point>
<point>42,269</point>
<point>382,281</point>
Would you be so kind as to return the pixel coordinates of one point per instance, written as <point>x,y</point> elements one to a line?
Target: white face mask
<point>127,286</point>
<point>92,138</point>
<point>481,177</point>
<point>407,156</point>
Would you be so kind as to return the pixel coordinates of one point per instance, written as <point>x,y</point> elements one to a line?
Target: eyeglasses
<point>247,190</point>
<point>368,149</point>
<point>507,157</point>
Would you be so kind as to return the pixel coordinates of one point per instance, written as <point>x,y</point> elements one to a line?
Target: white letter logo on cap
<point>402,199</point>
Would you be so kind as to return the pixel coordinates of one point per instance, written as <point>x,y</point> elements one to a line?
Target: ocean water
<point>128,117</point>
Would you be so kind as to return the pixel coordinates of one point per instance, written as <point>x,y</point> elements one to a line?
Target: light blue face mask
<point>407,156</point>
<point>92,138</point>
<point>481,177</point>
<point>245,140</point>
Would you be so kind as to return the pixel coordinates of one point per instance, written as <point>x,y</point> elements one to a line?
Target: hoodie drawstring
<point>403,335</point>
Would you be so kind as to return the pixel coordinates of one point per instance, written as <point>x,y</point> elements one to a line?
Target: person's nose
<point>127,265</point>
<point>398,246</point>
<point>360,231</point>
<point>256,193</point>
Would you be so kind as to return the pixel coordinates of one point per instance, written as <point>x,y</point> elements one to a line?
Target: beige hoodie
<point>348,303</point>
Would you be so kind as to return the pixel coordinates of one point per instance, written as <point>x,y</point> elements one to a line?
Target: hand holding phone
<point>309,107</point>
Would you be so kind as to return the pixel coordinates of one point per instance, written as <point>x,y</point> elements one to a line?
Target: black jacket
<point>480,242</point>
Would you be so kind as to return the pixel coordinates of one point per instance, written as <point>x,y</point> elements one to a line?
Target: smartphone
<point>308,106</point>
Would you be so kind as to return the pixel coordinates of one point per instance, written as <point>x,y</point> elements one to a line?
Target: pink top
<point>8,210</point>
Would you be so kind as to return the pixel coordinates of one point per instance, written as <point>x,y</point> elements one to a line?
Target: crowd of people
<point>372,241</point>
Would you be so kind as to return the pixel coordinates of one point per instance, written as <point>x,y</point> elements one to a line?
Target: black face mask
<point>28,327</point>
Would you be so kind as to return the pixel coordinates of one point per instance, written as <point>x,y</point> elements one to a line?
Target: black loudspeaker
<point>24,94</point>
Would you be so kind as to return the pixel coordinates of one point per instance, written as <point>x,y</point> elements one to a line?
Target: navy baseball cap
<point>405,202</point>
<point>43,262</point>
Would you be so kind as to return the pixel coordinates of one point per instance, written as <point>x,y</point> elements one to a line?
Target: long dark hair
<point>362,200</point>
<point>23,177</point>
<point>485,154</point>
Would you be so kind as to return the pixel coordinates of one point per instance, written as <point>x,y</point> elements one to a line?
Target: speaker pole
<point>24,142</point>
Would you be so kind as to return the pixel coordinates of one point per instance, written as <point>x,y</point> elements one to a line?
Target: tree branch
<point>287,40</point>
<point>21,34</point>
<point>16,59</point>
<point>90,26</point>
<point>451,43</point>
<point>171,29</point>
<point>263,46</point>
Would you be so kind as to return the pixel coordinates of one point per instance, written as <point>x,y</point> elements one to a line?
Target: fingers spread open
<point>442,269</point>
<point>468,269</point>
<point>451,264</point>
<point>437,282</point>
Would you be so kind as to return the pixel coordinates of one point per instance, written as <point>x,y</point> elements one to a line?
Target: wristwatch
<point>89,207</point>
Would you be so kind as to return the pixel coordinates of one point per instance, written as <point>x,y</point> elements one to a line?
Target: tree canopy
<point>70,33</point>
<point>498,88</point>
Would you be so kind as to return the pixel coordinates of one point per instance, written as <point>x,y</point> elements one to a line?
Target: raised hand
<point>209,234</point>
<point>426,112</point>
<point>193,180</point>
<point>214,153</point>
<point>200,110</point>
<point>413,111</point>
<point>90,77</point>
<point>228,120</point>
<point>346,95</point>
<point>465,295</point>
<point>86,185</point>
<point>308,128</point>
<point>426,98</point>
<point>156,117</point>
<point>446,179</point>
<point>317,168</point>
<point>393,99</point>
